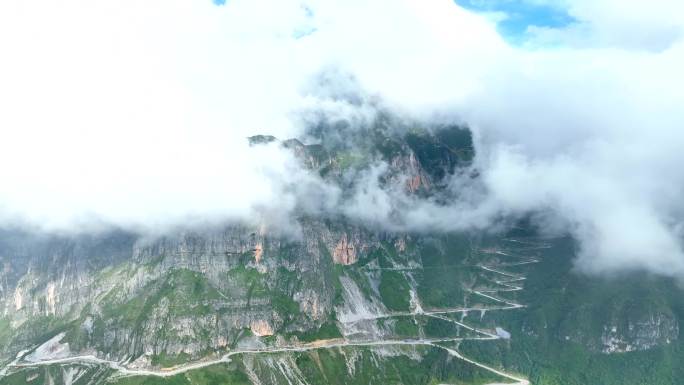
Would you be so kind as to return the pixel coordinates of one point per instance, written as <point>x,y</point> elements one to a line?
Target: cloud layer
<point>136,113</point>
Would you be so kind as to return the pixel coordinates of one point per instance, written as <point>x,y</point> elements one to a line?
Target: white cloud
<point>136,113</point>
<point>633,24</point>
<point>594,136</point>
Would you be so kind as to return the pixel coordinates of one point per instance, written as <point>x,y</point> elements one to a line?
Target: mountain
<point>344,301</point>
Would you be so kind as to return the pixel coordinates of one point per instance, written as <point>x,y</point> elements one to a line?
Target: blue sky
<point>520,14</point>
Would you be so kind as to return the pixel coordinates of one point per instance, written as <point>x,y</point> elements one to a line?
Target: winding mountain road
<point>123,371</point>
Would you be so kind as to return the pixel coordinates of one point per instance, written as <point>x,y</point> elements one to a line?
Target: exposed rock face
<point>51,349</point>
<point>50,299</point>
<point>418,160</point>
<point>416,178</point>
<point>258,252</point>
<point>345,252</point>
<point>400,244</point>
<point>188,292</point>
<point>261,328</point>
<point>313,156</point>
<point>623,330</point>
<point>18,299</point>
<point>652,331</point>
<point>308,303</point>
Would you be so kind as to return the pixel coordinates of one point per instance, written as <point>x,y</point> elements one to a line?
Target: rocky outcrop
<point>261,328</point>
<point>124,296</point>
<point>18,299</point>
<point>50,299</point>
<point>408,167</point>
<point>140,300</point>
<point>258,252</point>
<point>313,156</point>
<point>345,252</point>
<point>652,331</point>
<point>400,244</point>
<point>627,326</point>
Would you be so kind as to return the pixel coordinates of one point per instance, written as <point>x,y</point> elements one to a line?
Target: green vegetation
<point>441,282</point>
<point>406,327</point>
<point>388,147</point>
<point>329,366</point>
<point>185,292</point>
<point>210,375</point>
<point>281,295</point>
<point>347,160</point>
<point>5,331</point>
<point>438,328</point>
<point>442,288</point>
<point>249,279</point>
<point>458,140</point>
<point>284,304</point>
<point>261,139</point>
<point>37,329</point>
<point>320,366</point>
<point>327,331</point>
<point>572,364</point>
<point>557,340</point>
<point>167,360</point>
<point>394,290</point>
<point>59,374</point>
<point>440,154</point>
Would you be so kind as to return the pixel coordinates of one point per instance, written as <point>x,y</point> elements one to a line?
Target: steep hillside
<point>341,302</point>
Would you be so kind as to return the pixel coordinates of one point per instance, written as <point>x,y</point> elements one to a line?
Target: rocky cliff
<point>190,293</point>
<point>340,302</point>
